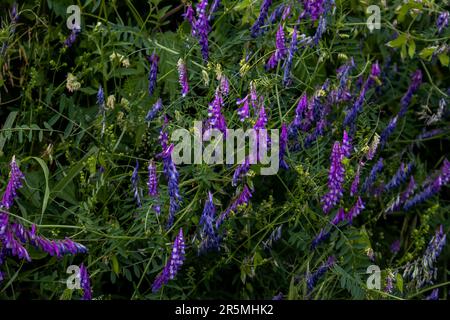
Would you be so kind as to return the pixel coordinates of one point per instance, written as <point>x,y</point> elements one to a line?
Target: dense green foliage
<point>77,181</point>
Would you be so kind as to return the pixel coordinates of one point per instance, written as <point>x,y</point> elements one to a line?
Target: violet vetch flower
<point>299,114</point>
<point>312,278</point>
<point>210,241</point>
<point>320,30</point>
<point>433,188</point>
<point>101,108</point>
<point>395,246</point>
<point>442,21</point>
<point>85,283</point>
<point>202,28</point>
<point>434,295</point>
<point>14,183</point>
<point>280,50</point>
<point>346,145</point>
<point>416,81</point>
<point>343,73</point>
<point>224,85</point>
<point>432,133</point>
<point>216,120</point>
<point>244,110</point>
<point>399,177</point>
<point>152,182</point>
<point>288,64</point>
<point>376,169</point>
<point>274,237</point>
<point>242,199</point>
<point>183,77</point>
<point>189,15</point>
<point>314,8</point>
<point>387,132</point>
<point>335,179</point>
<point>154,110</point>
<point>278,297</point>
<point>355,184</point>
<point>173,265</point>
<point>352,114</point>
<point>423,271</point>
<point>283,146</point>
<point>339,217</point>
<point>355,210</point>
<point>400,199</point>
<point>72,37</point>
<point>240,172</point>
<point>135,184</point>
<point>172,175</point>
<point>152,76</point>
<point>389,283</point>
<point>321,237</point>
<point>263,11</point>
<point>214,7</point>
<point>276,14</point>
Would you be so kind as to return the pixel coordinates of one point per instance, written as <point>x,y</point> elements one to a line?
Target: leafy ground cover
<point>359,208</point>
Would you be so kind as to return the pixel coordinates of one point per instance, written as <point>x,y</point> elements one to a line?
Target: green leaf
<point>426,53</point>
<point>444,59</point>
<point>397,43</point>
<point>399,282</point>
<point>115,264</point>
<point>47,189</point>
<point>411,48</point>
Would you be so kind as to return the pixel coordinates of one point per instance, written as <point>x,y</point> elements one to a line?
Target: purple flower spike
<point>280,51</point>
<point>416,81</point>
<point>242,199</point>
<point>135,184</point>
<point>154,110</point>
<point>387,132</point>
<point>355,210</point>
<point>283,146</point>
<point>172,175</point>
<point>299,115</point>
<point>314,8</point>
<point>214,7</point>
<point>14,183</point>
<point>189,15</point>
<point>173,265</point>
<point>376,169</point>
<point>288,65</point>
<point>395,246</point>
<point>202,28</point>
<point>216,120</point>
<point>321,237</point>
<point>442,21</point>
<point>244,110</point>
<point>433,188</point>
<point>240,172</point>
<point>340,216</point>
<point>313,278</point>
<point>152,180</point>
<point>85,283</point>
<point>355,184</point>
<point>423,271</point>
<point>263,11</point>
<point>152,76</point>
<point>335,180</point>
<point>72,37</point>
<point>210,241</point>
<point>400,176</point>
<point>346,145</point>
<point>434,295</point>
<point>224,85</point>
<point>183,77</point>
